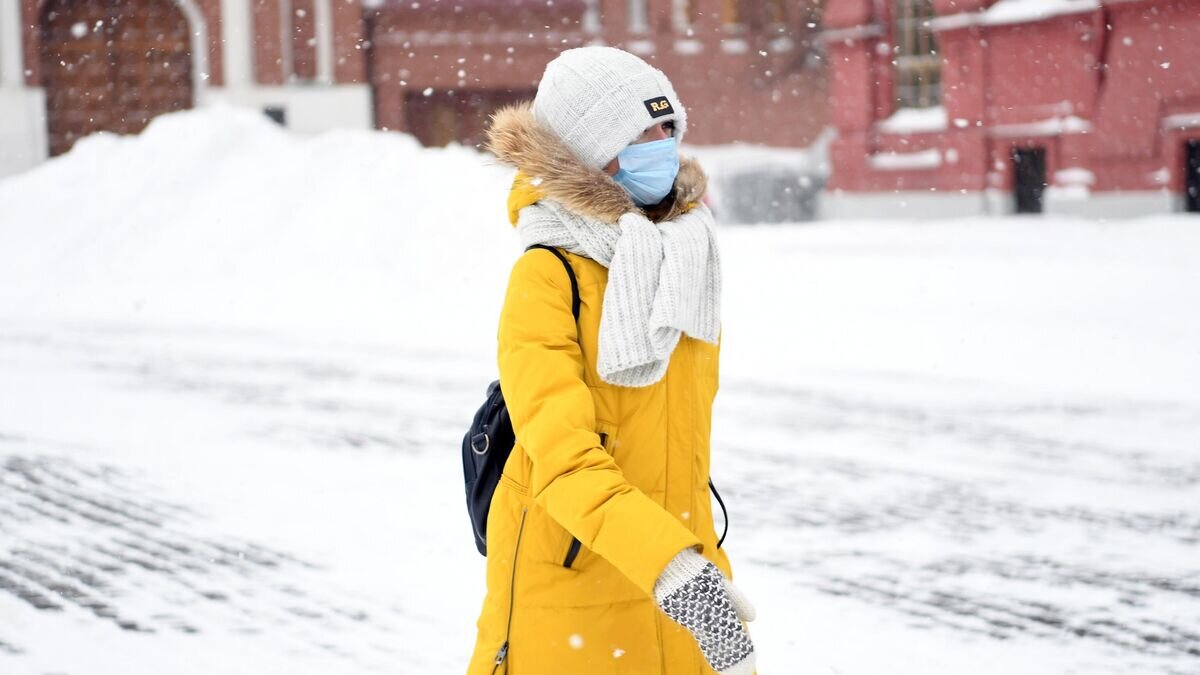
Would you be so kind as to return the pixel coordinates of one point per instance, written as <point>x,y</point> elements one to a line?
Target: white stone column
<point>12,70</point>
<point>324,34</point>
<point>591,17</point>
<point>22,109</point>
<point>237,37</point>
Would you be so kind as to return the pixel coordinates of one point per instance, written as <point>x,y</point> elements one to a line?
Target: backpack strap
<point>570,273</point>
<point>720,501</point>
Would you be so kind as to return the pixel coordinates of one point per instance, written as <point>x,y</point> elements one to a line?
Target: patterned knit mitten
<point>694,593</point>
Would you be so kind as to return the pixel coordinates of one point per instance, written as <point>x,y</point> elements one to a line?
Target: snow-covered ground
<point>235,366</point>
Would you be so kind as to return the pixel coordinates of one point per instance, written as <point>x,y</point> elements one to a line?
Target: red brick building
<point>72,67</point>
<point>747,69</point>
<point>974,106</point>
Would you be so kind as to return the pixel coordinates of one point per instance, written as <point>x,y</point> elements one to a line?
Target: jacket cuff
<point>685,566</point>
<point>647,538</point>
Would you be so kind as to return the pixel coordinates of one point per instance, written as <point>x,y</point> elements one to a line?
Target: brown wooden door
<point>112,65</point>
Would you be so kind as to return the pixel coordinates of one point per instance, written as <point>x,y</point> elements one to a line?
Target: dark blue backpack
<point>490,440</point>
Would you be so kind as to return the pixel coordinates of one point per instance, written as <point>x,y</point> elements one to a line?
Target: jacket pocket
<point>572,553</point>
<point>608,435</point>
<point>604,431</point>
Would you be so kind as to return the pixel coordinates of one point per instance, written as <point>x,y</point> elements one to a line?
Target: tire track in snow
<point>92,539</point>
<point>973,478</point>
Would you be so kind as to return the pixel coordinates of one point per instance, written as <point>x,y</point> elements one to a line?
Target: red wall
<point>1119,69</point>
<point>777,98</point>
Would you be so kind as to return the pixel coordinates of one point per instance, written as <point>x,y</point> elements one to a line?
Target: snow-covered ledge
<point>906,161</point>
<point>863,32</point>
<point>1054,126</point>
<point>914,121</point>
<point>1181,121</point>
<point>1013,11</point>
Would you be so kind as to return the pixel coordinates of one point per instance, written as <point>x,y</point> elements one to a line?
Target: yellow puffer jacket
<point>606,484</point>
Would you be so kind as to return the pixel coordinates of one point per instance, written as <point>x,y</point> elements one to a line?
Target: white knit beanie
<point>600,99</point>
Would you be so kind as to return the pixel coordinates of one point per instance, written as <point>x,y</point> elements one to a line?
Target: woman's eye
<point>669,127</point>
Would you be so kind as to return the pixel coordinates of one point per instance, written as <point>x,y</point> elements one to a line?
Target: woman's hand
<point>694,593</point>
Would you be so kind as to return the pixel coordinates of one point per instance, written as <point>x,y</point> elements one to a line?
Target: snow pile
<point>757,184</point>
<point>220,216</point>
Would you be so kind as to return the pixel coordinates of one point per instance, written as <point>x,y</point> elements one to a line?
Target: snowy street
<point>248,503</point>
<point>233,385</point>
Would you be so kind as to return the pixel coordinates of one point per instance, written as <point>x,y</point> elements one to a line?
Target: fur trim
<point>518,140</point>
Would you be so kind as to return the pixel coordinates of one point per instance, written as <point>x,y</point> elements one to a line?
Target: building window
<point>777,14</point>
<point>682,15</point>
<point>638,21</point>
<point>756,15</point>
<point>731,12</point>
<point>918,64</point>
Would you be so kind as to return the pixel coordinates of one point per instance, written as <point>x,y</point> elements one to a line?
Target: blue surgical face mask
<point>648,170</point>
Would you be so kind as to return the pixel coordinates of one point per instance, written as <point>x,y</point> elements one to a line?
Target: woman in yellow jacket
<point>602,555</point>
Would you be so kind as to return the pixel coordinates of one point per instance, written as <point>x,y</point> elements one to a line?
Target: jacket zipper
<point>512,592</point>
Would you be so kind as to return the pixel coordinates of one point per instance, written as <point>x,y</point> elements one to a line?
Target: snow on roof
<point>1014,11</point>
<point>915,121</point>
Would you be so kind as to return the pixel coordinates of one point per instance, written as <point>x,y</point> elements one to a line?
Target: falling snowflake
<point>576,641</point>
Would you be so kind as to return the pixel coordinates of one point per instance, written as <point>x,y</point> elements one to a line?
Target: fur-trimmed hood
<point>549,170</point>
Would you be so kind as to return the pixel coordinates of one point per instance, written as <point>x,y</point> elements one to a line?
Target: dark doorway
<point>437,117</point>
<point>1191,176</point>
<point>1029,178</point>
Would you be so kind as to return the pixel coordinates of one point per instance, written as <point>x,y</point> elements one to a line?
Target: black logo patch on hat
<point>658,106</point>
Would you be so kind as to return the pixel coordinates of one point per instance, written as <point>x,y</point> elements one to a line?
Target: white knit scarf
<point>664,279</point>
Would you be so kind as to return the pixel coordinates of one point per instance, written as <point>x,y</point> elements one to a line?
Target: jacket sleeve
<point>553,415</point>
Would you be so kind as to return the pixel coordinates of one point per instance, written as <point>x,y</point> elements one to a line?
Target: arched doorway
<point>112,65</point>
